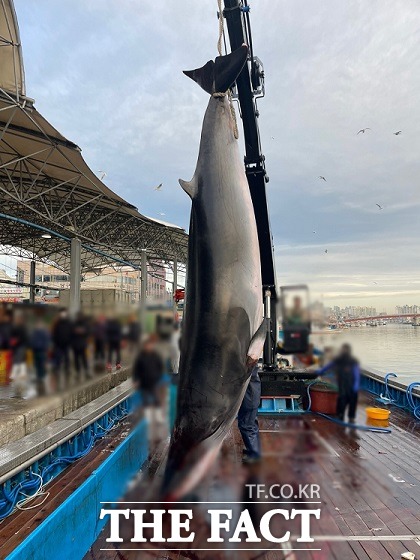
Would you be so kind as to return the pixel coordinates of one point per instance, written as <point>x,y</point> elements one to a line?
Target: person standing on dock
<point>247,419</point>
<point>347,371</point>
<point>148,371</point>
<point>5,328</point>
<point>61,337</point>
<point>40,343</point>
<point>133,334</point>
<point>99,339</point>
<point>19,346</point>
<point>80,335</point>
<point>113,337</point>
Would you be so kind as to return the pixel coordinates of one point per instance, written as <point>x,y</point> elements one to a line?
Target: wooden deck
<point>370,491</point>
<point>15,528</point>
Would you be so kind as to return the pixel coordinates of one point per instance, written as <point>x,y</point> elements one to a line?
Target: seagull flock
<point>361,131</point>
<point>320,177</point>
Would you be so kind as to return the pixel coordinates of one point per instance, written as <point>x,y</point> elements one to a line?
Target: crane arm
<point>250,86</point>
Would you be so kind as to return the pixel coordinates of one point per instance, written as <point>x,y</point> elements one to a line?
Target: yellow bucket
<point>377,413</point>
<point>377,423</point>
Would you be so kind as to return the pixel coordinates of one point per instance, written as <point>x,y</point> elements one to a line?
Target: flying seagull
<point>103,174</point>
<point>363,130</point>
<point>314,232</point>
<point>376,283</point>
<point>162,214</point>
<point>397,133</point>
<point>326,251</point>
<point>323,178</point>
<point>379,206</point>
<point>158,187</point>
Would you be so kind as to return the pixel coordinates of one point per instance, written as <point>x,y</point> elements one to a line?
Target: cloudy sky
<point>108,76</point>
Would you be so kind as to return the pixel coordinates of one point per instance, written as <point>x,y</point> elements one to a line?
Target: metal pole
<point>32,282</point>
<point>268,348</point>
<point>75,273</point>
<point>143,288</point>
<point>175,282</point>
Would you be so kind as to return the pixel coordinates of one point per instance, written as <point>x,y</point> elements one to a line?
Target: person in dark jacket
<point>133,334</point>
<point>61,338</point>
<point>113,337</point>
<point>99,337</point>
<point>148,371</point>
<point>5,328</point>
<point>19,347</point>
<point>247,419</point>
<point>347,371</point>
<point>40,342</point>
<point>79,342</point>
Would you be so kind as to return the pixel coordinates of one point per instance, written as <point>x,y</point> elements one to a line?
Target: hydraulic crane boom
<point>250,86</point>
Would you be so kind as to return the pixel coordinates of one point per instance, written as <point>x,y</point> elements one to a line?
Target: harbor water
<point>382,349</point>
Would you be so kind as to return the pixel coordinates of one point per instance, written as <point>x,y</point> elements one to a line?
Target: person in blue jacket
<point>347,371</point>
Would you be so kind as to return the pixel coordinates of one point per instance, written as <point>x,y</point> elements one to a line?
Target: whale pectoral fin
<point>190,187</point>
<point>257,344</point>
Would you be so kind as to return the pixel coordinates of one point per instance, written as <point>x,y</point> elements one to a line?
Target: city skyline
<point>367,310</point>
<point>10,269</point>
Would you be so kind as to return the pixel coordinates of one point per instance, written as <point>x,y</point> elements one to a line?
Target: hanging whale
<point>223,328</point>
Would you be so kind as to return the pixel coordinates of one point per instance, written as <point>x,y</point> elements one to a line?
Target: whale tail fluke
<point>218,76</point>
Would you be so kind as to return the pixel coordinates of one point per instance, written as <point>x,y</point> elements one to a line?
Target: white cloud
<point>109,77</point>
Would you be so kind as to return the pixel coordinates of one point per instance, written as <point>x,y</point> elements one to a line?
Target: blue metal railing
<point>30,481</point>
<point>402,397</point>
<point>71,529</point>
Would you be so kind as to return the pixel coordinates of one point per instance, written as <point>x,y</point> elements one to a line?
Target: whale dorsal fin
<point>219,75</point>
<point>190,187</point>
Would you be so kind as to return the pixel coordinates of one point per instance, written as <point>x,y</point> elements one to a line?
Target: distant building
<point>407,309</point>
<point>10,292</point>
<point>121,278</point>
<point>353,312</point>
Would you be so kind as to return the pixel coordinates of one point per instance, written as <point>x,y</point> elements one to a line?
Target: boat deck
<point>369,491</point>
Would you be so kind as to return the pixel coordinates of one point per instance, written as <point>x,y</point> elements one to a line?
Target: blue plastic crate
<point>279,405</point>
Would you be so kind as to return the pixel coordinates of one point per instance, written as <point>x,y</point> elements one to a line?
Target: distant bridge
<point>381,317</point>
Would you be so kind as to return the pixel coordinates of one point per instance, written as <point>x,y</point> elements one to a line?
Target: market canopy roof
<point>45,181</point>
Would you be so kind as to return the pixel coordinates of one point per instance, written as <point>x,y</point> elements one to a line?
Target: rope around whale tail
<point>227,93</point>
